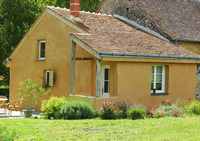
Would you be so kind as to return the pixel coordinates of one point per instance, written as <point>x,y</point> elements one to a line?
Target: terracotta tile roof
<point>180,19</point>
<point>108,34</point>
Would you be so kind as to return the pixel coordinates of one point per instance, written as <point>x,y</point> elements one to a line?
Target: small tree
<point>31,91</point>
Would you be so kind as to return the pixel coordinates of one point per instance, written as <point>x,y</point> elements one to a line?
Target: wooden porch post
<point>73,66</point>
<point>98,78</point>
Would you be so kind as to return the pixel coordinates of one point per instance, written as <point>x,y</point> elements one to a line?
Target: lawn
<point>96,129</point>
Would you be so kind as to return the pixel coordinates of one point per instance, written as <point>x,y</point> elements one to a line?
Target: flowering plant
<point>166,109</point>
<point>108,110</point>
<point>176,112</point>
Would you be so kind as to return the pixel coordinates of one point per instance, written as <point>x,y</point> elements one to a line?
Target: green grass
<point>163,129</point>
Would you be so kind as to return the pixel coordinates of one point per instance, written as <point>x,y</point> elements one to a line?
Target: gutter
<point>184,40</point>
<point>147,56</point>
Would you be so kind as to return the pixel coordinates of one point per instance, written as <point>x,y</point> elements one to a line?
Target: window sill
<point>40,59</point>
<point>159,93</point>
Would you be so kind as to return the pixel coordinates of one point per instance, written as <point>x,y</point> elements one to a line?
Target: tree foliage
<point>86,5</point>
<point>16,17</point>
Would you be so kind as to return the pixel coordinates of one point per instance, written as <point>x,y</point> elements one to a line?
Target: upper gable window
<point>42,49</point>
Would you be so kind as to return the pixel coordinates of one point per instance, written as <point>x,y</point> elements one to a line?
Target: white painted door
<point>105,73</point>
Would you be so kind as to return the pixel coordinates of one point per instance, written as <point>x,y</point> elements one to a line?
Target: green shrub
<point>108,111</point>
<point>52,107</point>
<point>7,135</point>
<point>159,114</point>
<point>194,108</point>
<point>167,110</point>
<point>31,90</point>
<point>136,113</point>
<point>171,110</point>
<point>77,110</point>
<point>121,109</point>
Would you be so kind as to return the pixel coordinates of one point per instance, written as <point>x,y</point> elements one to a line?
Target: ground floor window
<point>105,72</point>
<point>158,79</point>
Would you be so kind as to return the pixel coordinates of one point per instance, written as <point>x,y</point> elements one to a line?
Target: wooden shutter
<point>51,78</point>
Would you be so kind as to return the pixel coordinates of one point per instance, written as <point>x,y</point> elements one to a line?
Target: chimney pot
<point>74,10</point>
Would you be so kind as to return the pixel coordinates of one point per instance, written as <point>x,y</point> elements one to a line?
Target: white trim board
<point>66,21</point>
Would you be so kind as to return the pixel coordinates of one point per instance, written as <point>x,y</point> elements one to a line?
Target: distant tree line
<point>16,17</point>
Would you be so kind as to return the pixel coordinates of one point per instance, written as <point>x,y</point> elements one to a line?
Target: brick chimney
<point>74,10</point>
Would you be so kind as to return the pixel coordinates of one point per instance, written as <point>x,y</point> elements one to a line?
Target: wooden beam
<point>84,58</point>
<point>98,78</point>
<point>85,46</point>
<point>73,66</point>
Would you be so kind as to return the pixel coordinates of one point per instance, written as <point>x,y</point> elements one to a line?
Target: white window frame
<point>103,81</point>
<point>163,78</point>
<point>43,41</point>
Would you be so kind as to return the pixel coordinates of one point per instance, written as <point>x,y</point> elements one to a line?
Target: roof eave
<point>187,40</point>
<point>180,59</point>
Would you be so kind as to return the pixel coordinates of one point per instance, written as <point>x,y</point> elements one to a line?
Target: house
<point>176,20</point>
<point>98,56</point>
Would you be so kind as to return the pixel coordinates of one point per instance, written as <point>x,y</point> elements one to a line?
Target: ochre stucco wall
<point>132,83</point>
<point>57,58</point>
<point>192,46</point>
<point>135,86</point>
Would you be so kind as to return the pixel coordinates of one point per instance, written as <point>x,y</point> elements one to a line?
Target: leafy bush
<point>167,109</point>
<point>113,110</point>
<point>7,135</point>
<point>31,90</point>
<point>136,113</point>
<point>159,114</point>
<point>108,110</point>
<point>77,110</point>
<point>52,107</point>
<point>194,108</point>
<point>172,110</point>
<point>121,109</point>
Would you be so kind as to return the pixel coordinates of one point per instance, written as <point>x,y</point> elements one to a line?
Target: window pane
<point>106,85</point>
<point>42,50</point>
<point>159,69</point>
<point>47,79</point>
<point>152,78</point>
<point>152,86</point>
<point>158,86</point>
<point>159,78</point>
<point>152,69</point>
<point>106,76</point>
